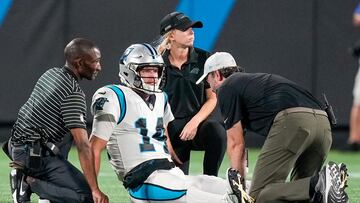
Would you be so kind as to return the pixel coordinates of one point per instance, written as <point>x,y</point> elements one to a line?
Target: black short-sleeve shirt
<point>256,98</point>
<point>185,96</point>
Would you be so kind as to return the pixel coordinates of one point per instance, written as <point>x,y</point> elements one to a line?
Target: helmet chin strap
<point>151,88</point>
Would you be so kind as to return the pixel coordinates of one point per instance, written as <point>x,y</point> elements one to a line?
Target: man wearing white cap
<point>297,131</point>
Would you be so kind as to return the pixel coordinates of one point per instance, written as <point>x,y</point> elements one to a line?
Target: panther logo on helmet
<point>136,57</point>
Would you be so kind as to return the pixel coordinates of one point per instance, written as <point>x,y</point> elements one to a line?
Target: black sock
<point>313,182</point>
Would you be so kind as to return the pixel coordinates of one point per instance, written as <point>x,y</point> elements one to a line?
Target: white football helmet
<point>134,58</point>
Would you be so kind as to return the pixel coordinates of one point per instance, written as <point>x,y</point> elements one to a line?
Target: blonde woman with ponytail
<point>198,124</point>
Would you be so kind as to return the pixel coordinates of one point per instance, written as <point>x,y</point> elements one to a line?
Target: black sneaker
<point>20,190</point>
<point>330,187</point>
<point>234,179</point>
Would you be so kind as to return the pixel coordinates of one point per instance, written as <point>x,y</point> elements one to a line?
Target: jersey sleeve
<point>230,104</point>
<point>103,126</point>
<point>73,111</point>
<point>105,102</point>
<point>168,115</point>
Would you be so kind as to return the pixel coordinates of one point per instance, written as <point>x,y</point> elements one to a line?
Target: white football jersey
<point>139,133</point>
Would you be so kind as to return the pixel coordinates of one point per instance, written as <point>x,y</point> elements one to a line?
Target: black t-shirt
<point>185,96</point>
<point>256,98</point>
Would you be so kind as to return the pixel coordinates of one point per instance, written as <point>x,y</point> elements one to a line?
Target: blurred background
<point>305,41</point>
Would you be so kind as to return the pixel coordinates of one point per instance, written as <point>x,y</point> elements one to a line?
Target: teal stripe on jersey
<point>155,193</point>
<point>121,97</point>
<point>165,99</point>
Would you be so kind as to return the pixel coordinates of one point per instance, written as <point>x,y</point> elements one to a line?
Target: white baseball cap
<point>217,61</point>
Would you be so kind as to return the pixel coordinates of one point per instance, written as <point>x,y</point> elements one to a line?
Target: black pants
<point>56,179</point>
<point>210,137</point>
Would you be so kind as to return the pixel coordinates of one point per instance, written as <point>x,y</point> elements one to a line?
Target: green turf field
<point>113,188</point>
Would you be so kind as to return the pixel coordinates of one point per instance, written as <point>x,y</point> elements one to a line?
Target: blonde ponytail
<point>165,44</point>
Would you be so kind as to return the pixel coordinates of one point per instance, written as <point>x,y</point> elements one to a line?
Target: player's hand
<point>174,157</point>
<point>189,130</point>
<point>99,197</point>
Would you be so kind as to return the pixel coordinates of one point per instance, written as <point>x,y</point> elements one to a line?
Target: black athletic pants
<point>56,179</point>
<point>210,137</point>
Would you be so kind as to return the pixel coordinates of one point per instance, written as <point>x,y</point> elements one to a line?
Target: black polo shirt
<point>185,97</point>
<point>56,105</point>
<point>256,98</point>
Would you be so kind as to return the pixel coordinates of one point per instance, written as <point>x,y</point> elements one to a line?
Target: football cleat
<point>20,190</point>
<point>330,187</point>
<point>343,181</point>
<point>234,180</point>
<point>343,175</point>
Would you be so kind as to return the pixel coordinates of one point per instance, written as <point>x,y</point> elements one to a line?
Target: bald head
<point>78,48</point>
<point>83,58</point>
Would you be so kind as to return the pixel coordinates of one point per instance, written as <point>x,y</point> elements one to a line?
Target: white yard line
<point>351,175</point>
<point>248,176</point>
<point>354,175</point>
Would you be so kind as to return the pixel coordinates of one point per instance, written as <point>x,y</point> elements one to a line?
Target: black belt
<point>141,172</point>
<point>49,148</point>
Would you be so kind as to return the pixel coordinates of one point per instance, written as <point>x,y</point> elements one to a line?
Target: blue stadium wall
<point>305,41</point>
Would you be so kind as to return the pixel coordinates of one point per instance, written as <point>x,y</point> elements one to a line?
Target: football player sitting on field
<point>130,120</point>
